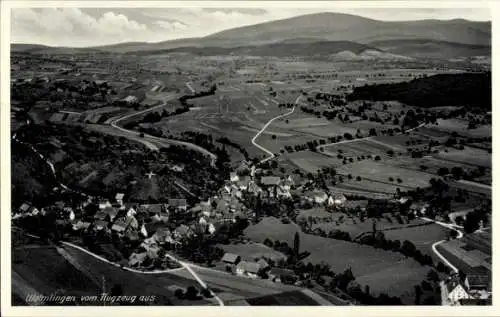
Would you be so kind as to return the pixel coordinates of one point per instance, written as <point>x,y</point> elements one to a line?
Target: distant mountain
<point>419,48</point>
<point>456,37</point>
<point>341,27</point>
<point>42,49</point>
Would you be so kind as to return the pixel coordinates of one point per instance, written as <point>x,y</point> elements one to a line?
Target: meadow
<point>369,265</point>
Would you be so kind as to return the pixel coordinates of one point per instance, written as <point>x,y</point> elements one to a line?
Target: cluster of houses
<point>256,269</point>
<point>475,287</point>
<point>269,187</point>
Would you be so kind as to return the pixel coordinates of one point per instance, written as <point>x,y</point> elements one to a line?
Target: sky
<point>81,27</point>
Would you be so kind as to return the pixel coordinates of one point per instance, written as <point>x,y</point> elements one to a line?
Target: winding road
<point>435,244</point>
<point>152,141</point>
<point>271,154</point>
<point>185,265</point>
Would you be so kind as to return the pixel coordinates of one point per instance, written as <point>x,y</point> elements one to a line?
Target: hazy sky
<point>101,26</point>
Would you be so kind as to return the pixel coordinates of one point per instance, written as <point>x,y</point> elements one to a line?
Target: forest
<point>470,90</point>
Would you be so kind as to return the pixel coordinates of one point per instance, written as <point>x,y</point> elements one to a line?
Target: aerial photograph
<point>263,156</point>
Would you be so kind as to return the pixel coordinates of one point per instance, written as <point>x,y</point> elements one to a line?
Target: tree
<point>273,136</point>
<point>453,234</point>
<point>377,158</point>
<point>179,293</point>
<point>433,276</point>
<point>296,244</point>
<point>418,294</point>
<point>191,293</point>
<point>408,248</point>
<point>471,223</point>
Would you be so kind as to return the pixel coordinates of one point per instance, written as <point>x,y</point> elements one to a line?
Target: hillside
<point>324,27</point>
<point>431,48</point>
<point>338,27</point>
<point>322,48</point>
<point>469,89</point>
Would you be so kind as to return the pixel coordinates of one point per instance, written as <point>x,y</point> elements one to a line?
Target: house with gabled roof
<point>178,203</point>
<point>270,181</point>
<point>453,290</point>
<point>278,275</point>
<point>119,198</point>
<point>233,177</point>
<point>101,225</point>
<point>104,203</point>
<point>250,269</point>
<point>231,258</point>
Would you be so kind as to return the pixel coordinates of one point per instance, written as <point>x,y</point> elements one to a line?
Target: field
<point>468,156</point>
<point>463,258</point>
<point>251,251</point>
<point>422,237</point>
<point>460,126</point>
<point>363,260</point>
<point>376,175</point>
<point>310,161</point>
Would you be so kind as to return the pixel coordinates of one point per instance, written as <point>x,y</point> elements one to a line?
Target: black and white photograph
<point>275,154</point>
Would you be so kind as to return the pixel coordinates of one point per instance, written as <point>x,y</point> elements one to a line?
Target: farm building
<point>231,258</point>
<point>177,203</point>
<point>130,99</point>
<point>337,200</point>
<point>119,198</point>
<point>250,269</point>
<point>270,180</point>
<point>277,274</point>
<point>453,291</point>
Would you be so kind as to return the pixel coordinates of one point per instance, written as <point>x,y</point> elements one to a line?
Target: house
<point>233,177</point>
<point>104,203</point>
<point>182,231</point>
<point>211,228</point>
<point>317,196</point>
<point>178,204</point>
<point>279,275</point>
<point>250,269</point>
<point>453,291</point>
<point>101,225</point>
<point>243,183</point>
<point>263,264</point>
<point>119,226</point>
<point>478,282</point>
<point>336,200</point>
<point>270,181</point>
<point>24,208</point>
<point>231,258</point>
<point>163,235</point>
<point>130,99</point>
<point>254,188</point>
<point>119,198</point>
<point>202,221</point>
<point>81,225</point>
<point>281,191</point>
<point>111,212</point>
<point>152,227</point>
<point>132,235</point>
<point>288,182</point>
<point>136,259</point>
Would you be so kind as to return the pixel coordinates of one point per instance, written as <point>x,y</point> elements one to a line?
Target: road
<point>185,265</point>
<point>434,246</point>
<point>271,154</point>
<point>188,84</point>
<point>152,142</point>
